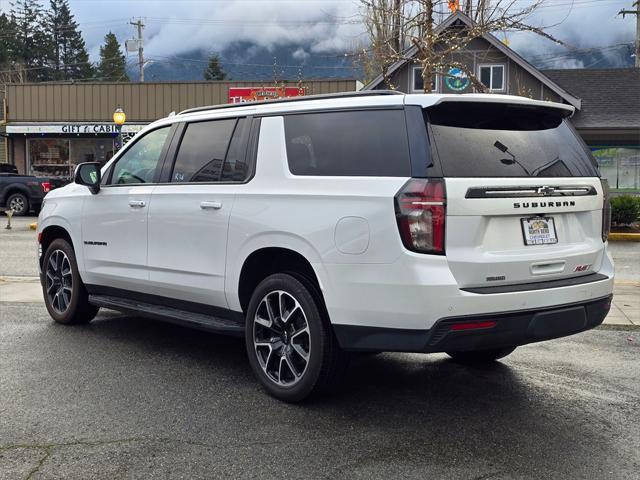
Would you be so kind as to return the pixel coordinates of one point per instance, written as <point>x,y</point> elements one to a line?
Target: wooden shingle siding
<point>95,102</point>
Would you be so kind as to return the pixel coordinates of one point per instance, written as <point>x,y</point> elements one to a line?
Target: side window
<point>138,164</point>
<point>359,143</point>
<point>235,168</point>
<point>202,151</point>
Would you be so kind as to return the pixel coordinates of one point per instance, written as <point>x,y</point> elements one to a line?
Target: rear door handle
<point>210,205</point>
<point>136,203</point>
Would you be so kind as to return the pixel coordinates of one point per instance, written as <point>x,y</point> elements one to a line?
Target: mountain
<point>618,56</point>
<point>248,61</point>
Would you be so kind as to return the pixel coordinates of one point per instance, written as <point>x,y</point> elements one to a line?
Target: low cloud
<point>314,26</point>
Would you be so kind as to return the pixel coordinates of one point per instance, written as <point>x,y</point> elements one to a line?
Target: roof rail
<point>367,93</point>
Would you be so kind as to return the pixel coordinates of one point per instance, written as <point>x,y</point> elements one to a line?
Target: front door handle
<point>210,205</point>
<point>136,203</point>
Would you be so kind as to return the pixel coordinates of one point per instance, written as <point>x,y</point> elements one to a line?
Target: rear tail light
<point>421,213</point>
<point>46,186</point>
<point>606,210</point>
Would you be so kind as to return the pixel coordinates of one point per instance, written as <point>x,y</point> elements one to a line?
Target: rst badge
<point>582,268</point>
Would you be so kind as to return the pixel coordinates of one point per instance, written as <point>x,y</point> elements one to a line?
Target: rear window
<point>498,140</point>
<point>358,143</point>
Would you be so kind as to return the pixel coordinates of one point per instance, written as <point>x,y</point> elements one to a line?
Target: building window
<point>58,157</point>
<point>492,77</point>
<point>418,83</point>
<point>620,165</point>
<point>49,157</point>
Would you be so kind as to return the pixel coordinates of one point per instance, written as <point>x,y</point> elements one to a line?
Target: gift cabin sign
<point>251,94</point>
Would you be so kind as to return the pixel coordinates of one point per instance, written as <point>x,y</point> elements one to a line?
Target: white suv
<point>465,224</point>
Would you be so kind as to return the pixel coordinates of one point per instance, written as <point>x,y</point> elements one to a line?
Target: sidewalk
<point>624,311</point>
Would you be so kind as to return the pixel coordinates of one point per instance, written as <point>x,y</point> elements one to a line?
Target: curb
<point>624,237</point>
<point>33,226</point>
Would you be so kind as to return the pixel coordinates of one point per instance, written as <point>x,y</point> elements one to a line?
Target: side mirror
<point>88,174</point>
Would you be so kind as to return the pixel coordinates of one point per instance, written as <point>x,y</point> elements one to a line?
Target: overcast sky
<point>175,27</point>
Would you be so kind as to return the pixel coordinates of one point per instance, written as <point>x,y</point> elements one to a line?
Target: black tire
<point>326,362</point>
<point>19,203</point>
<point>479,357</point>
<point>77,309</point>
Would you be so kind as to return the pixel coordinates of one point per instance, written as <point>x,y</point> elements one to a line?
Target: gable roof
<point>610,96</point>
<point>493,40</point>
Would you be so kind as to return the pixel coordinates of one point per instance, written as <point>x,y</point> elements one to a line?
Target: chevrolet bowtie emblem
<point>546,191</point>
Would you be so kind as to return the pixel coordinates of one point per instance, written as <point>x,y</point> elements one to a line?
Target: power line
<point>635,12</point>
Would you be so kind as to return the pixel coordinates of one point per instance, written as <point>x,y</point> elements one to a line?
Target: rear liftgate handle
<point>546,268</point>
<point>210,205</point>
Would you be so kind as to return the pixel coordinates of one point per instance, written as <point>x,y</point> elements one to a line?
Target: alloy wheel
<point>59,281</point>
<point>17,204</point>
<point>281,338</point>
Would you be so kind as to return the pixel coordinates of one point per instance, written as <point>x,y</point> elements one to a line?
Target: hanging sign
<point>456,80</point>
<point>252,94</point>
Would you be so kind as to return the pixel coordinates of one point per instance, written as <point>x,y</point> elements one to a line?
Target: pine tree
<point>70,59</point>
<point>214,70</point>
<point>31,45</point>
<point>112,65</point>
<point>10,70</point>
<point>6,29</point>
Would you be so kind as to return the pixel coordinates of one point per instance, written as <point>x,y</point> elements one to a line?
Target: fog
<point>315,27</point>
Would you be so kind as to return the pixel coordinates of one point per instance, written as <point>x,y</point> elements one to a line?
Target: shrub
<point>625,209</point>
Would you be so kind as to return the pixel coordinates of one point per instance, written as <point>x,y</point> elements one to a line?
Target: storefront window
<point>91,150</point>
<point>49,157</point>
<point>58,157</point>
<point>619,165</point>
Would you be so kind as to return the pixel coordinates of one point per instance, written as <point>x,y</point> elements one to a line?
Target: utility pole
<point>635,12</point>
<point>140,26</point>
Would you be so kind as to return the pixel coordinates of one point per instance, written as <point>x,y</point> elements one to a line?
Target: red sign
<point>251,94</point>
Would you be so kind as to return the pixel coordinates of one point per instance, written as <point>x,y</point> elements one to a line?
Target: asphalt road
<point>18,247</point>
<point>132,398</point>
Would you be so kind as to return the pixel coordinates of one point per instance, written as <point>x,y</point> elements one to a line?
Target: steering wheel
<point>132,175</point>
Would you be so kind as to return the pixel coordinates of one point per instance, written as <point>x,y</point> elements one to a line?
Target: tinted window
<point>235,168</point>
<point>363,143</point>
<point>493,140</point>
<point>138,164</point>
<point>202,151</point>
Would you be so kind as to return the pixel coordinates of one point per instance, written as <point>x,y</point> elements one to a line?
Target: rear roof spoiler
<point>431,100</point>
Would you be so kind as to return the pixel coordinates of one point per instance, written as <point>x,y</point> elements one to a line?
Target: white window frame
<point>412,82</point>
<point>491,66</point>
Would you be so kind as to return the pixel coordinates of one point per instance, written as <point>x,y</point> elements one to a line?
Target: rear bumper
<point>511,329</point>
<point>416,291</point>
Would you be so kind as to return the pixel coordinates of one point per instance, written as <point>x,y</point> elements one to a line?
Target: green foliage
<point>112,65</point>
<point>214,70</point>
<point>625,209</point>
<point>69,57</point>
<point>29,46</point>
<point>41,45</point>
<point>7,28</point>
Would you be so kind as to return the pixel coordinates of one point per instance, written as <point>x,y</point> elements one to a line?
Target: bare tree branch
<point>394,25</point>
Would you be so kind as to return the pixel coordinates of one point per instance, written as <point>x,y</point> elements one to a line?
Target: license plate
<point>539,231</point>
